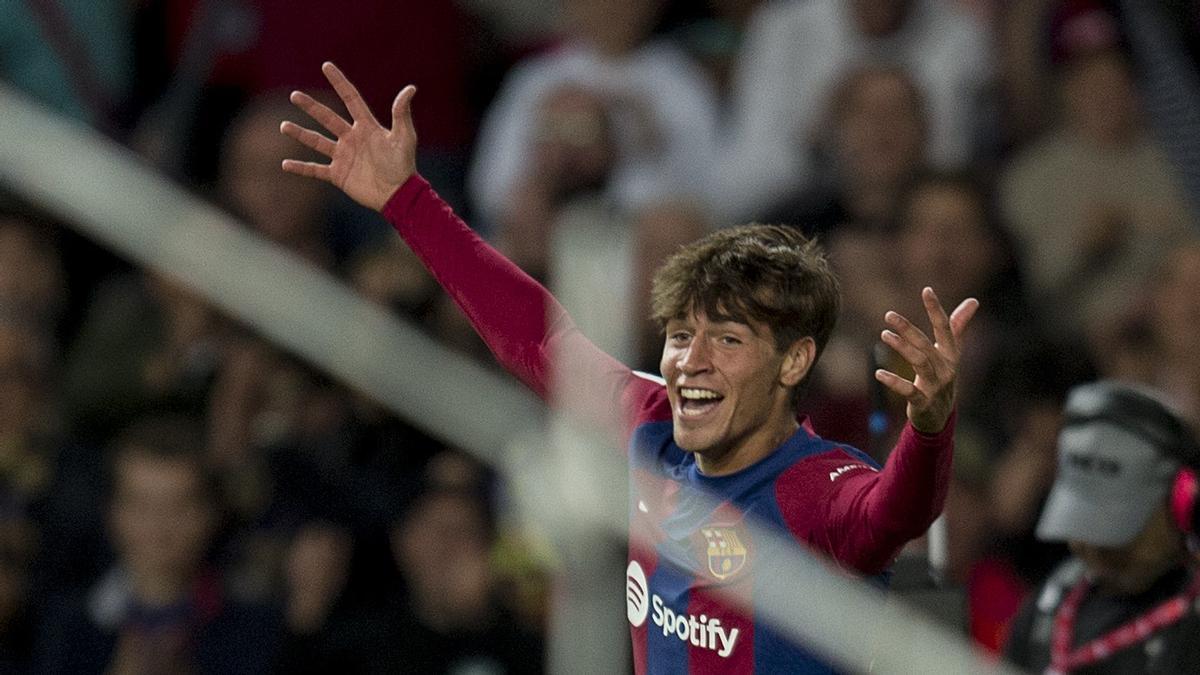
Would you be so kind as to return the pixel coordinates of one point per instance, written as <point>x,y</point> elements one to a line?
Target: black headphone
<point>1146,417</point>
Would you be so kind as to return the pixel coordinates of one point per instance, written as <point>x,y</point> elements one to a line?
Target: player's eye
<point>678,337</point>
<point>730,340</point>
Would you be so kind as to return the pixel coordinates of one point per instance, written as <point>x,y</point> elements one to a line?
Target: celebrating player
<point>746,312</point>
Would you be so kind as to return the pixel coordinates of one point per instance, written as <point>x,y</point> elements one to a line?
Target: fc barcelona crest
<point>726,553</point>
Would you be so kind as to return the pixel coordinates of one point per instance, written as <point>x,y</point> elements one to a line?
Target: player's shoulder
<point>646,397</point>
<point>805,488</point>
<point>647,409</point>
<point>822,464</point>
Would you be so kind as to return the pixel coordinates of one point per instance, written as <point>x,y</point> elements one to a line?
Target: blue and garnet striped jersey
<point>831,497</point>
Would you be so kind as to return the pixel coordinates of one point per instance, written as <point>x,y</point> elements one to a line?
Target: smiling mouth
<point>695,402</point>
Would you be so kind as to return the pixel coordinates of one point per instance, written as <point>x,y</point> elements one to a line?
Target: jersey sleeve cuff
<point>400,203</point>
<point>947,432</point>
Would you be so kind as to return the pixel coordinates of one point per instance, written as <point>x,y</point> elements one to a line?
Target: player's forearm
<point>511,312</point>
<point>901,501</point>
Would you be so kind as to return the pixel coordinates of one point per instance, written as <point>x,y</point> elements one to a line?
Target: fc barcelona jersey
<point>829,496</point>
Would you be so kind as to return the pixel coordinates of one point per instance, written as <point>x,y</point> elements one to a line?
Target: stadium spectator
<point>793,53</point>
<point>572,158</point>
<point>455,618</point>
<point>1093,203</point>
<point>32,278</point>
<point>994,552</point>
<point>146,343</point>
<point>327,629</point>
<point>876,140</point>
<point>1125,602</point>
<point>1174,313</point>
<point>283,209</point>
<point>661,108</point>
<point>161,607</point>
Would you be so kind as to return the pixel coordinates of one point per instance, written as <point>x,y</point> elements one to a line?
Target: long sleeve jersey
<point>831,497</point>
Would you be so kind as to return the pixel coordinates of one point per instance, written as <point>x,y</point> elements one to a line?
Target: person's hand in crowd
<point>367,161</point>
<point>930,394</point>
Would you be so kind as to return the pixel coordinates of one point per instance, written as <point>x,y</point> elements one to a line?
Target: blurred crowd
<point>177,494</point>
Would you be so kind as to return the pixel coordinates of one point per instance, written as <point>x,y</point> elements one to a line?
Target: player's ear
<point>797,361</point>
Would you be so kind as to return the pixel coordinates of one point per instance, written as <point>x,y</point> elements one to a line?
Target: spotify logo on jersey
<point>637,594</point>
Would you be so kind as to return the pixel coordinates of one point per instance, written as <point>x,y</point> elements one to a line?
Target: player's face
<point>729,403</point>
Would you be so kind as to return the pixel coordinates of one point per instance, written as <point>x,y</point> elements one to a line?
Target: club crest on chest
<point>725,551</point>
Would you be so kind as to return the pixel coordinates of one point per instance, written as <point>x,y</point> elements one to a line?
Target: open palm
<point>930,394</point>
<point>367,161</point>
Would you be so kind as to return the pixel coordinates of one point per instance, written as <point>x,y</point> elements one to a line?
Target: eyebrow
<point>720,321</point>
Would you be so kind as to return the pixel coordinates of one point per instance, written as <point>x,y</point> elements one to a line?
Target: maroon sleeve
<point>523,325</point>
<point>863,517</point>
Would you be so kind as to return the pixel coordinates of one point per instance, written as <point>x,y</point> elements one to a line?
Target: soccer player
<point>746,312</point>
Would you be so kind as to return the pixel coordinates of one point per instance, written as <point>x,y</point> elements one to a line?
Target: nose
<point>695,359</point>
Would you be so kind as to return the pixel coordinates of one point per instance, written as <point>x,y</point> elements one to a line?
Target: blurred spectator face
<point>188,316</point>
<point>31,273</point>
<point>319,558</point>
<point>283,207</point>
<point>316,569</point>
<point>21,403</point>
<point>878,18</point>
<point>944,242</point>
<point>1099,98</point>
<point>442,548</point>
<point>1177,301</point>
<point>880,129</point>
<point>1133,568</point>
<point>22,344</point>
<point>162,516</point>
<point>24,351</point>
<point>574,145</point>
<point>612,26</point>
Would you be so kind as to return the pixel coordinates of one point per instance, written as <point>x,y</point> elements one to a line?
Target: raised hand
<point>367,161</point>
<point>930,394</point>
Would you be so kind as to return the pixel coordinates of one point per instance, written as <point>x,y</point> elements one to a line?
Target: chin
<point>690,440</point>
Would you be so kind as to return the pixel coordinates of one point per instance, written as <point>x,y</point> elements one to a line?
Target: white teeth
<point>694,394</point>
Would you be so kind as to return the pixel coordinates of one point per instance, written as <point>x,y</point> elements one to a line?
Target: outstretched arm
<point>521,322</point>
<point>875,514</point>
